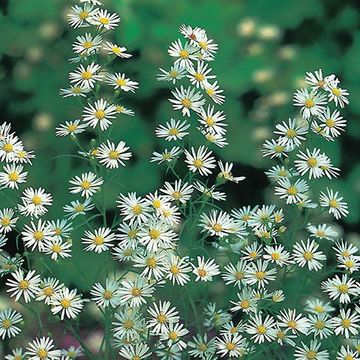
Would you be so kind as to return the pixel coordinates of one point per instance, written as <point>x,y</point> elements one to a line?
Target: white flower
<point>199,76</point>
<point>9,146</point>
<point>322,231</point>
<point>320,325</point>
<point>214,92</point>
<point>184,54</point>
<point>138,351</point>
<point>86,77</point>
<point>106,296</point>
<point>275,148</point>
<point>119,81</point>
<point>176,72</point>
<point>47,290</point>
<point>153,264</point>
<point>74,91</point>
<point>66,302</point>
<point>8,320</point>
<point>7,220</point>
<point>129,323</point>
<point>332,123</point>
<point>347,323</point>
<point>21,285</point>
<point>42,349</point>
<point>60,228</point>
<point>218,223</point>
<point>292,192</point>
<point>235,274</point>
<point>161,317</point>
<point>134,208</point>
<point>225,172</point>
<point>258,273</point>
<point>277,254</point>
<point>341,288</point>
<point>177,270</point>
<point>101,113</point>
<point>173,130</point>
<point>34,202</point>
<point>78,208</point>
<point>167,155</point>
<point>346,354</point>
<point>231,345</point>
<point>112,155</point>
<point>246,301</point>
<point>200,160</point>
<point>213,121</point>
<point>87,185</point>
<point>337,94</point>
<point>293,322</point>
<point>173,335</point>
<point>103,19</point>
<point>58,248</point>
<point>35,235</point>
<point>317,80</point>
<point>134,292</point>
<point>306,255</point>
<point>186,100</point>
<point>261,329</point>
<point>87,44</point>
<point>70,128</point>
<point>205,270</point>
<point>334,202</point>
<point>12,176</point>
<point>16,354</point>
<point>80,16</point>
<point>180,191</point>
<point>99,240</point>
<point>119,51</point>
<point>311,352</point>
<point>312,104</point>
<point>290,133</point>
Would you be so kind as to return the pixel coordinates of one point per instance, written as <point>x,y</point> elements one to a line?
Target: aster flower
<point>113,49</point>
<point>231,345</point>
<point>310,103</point>
<point>135,292</point>
<point>70,128</point>
<point>99,240</point>
<point>173,130</point>
<point>34,202</point>
<point>12,175</point>
<point>175,73</point>
<point>42,349</point>
<point>161,316</point>
<point>334,202</point>
<point>112,155</point>
<point>8,323</point>
<point>105,20</point>
<point>23,285</point>
<point>106,296</point>
<point>307,255</point>
<point>86,77</point>
<point>261,329</point>
<point>120,81</point>
<point>186,100</point>
<point>87,185</point>
<point>101,113</point>
<point>200,160</point>
<point>205,270</point>
<point>66,302</point>
<point>86,44</point>
<point>184,54</point>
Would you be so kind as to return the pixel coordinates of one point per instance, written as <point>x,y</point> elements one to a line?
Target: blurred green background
<point>265,48</point>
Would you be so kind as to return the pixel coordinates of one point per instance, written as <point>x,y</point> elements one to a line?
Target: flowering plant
<point>153,296</point>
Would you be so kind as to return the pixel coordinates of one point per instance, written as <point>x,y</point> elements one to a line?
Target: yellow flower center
<point>202,272</point>
<point>99,240</point>
<point>202,347</point>
<point>174,269</point>
<point>5,221</point>
<point>173,335</point>
<point>230,346</point>
<point>330,123</point>
<point>291,133</point>
<point>279,149</point>
<point>7,147</point>
<point>100,114</point>
<point>198,163</point>
<point>83,14</point>
<point>260,275</point>
<point>275,256</point>
<point>128,324</point>
<point>320,324</point>
<point>116,50</point>
<point>161,318</point>
<point>210,121</point>
<point>239,275</point>
<point>319,309</point>
<point>136,209</point>
<point>13,176</point>
<point>104,20</point>
<point>292,190</point>
<point>312,162</point>
<point>6,324</point>
<point>79,208</point>
<point>261,330</point>
<point>199,77</point>
<point>121,82</point>
<point>333,203</point>
<point>309,103</point>
<point>48,291</point>
<point>311,355</point>
<point>245,304</point>
<point>186,103</point>
<point>65,303</point>
<point>292,324</point>
<point>217,227</point>
<point>336,91</point>
<point>308,256</point>
<point>343,288</point>
<point>107,294</point>
<point>184,54</point>
<point>56,248</point>
<point>42,353</point>
<point>173,74</point>
<point>72,127</point>
<point>86,75</point>
<point>114,155</point>
<point>151,263</point>
<point>86,184</point>
<point>36,200</point>
<point>346,323</point>
<point>23,284</point>
<point>136,292</point>
<point>87,44</point>
<point>154,233</point>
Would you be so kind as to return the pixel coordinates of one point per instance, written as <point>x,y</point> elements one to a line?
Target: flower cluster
<point>167,246</point>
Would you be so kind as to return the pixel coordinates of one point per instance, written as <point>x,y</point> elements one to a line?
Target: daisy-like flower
<point>12,175</point>
<point>101,113</point>
<point>337,94</point>
<point>70,128</point>
<point>213,122</point>
<point>7,220</point>
<point>119,51</point>
<point>42,349</point>
<point>341,289</point>
<point>345,353</point>
<point>26,286</point>
<point>134,208</point>
<point>86,44</point>
<point>207,46</point>
<point>167,155</point>
<point>79,16</point>
<point>201,347</point>
<point>16,354</point>
<point>205,270</point>
<point>34,202</point>
<point>209,193</point>
<point>311,352</point>
<point>35,235</point>
<point>351,263</point>
<point>180,191</point>
<point>259,274</point>
<point>157,235</point>
<point>334,202</point>
<point>186,100</point>
<point>307,255</point>
<point>74,91</point>
<point>322,231</point>
<point>99,240</point>
<point>279,172</point>
<point>312,162</point>
<point>225,172</point>
<point>9,146</point>
<point>277,254</point>
<point>316,306</point>
<point>161,316</point>
<point>47,290</point>
<point>217,139</point>
<point>200,160</point>
<point>316,80</point>
<point>8,320</point>
<point>275,149</point>
<point>347,323</point>
<point>120,81</point>
<point>173,130</point>
<point>66,302</point>
<point>293,322</point>
<point>153,264</point>
<point>60,229</point>
<point>135,292</point>
<point>176,72</point>
<point>320,325</point>
<point>293,193</point>
<point>173,335</point>
<point>252,252</point>
<point>200,74</point>
<point>235,274</point>
<point>106,296</point>
<point>310,103</point>
<point>112,155</point>
<point>214,92</point>
<point>332,123</point>
<point>87,185</point>
<point>193,34</point>
<point>218,223</point>
<point>58,248</point>
<point>246,301</point>
<point>345,249</point>
<point>184,54</point>
<point>129,323</point>
<point>231,345</point>
<point>86,77</point>
<point>105,20</point>
<point>120,109</point>
<point>72,352</point>
<point>138,351</point>
<point>177,270</point>
<point>261,329</point>
<point>77,208</point>
<point>290,133</point>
